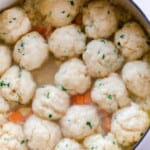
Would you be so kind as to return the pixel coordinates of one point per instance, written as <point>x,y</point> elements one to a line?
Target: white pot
<point>141,11</point>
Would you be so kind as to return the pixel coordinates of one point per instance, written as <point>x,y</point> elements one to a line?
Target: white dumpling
<point>110,93</point>
<point>129,124</point>
<point>41,134</point>
<point>68,144</point>
<point>132,41</point>
<point>136,76</point>
<point>5,58</point>
<point>17,85</point>
<point>59,13</point>
<point>50,102</point>
<point>80,121</point>
<point>31,51</point>
<point>4,108</point>
<point>13,24</point>
<point>66,42</point>
<point>100,19</point>
<point>100,142</point>
<point>12,137</point>
<point>72,77</point>
<point>102,58</point>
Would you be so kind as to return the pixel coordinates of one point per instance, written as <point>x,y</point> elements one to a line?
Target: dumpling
<point>110,93</point>
<point>136,75</point>
<point>100,19</point>
<point>80,121</point>
<point>14,23</point>
<point>17,85</point>
<point>102,58</point>
<point>5,58</point>
<point>31,51</point>
<point>132,41</point>
<point>129,124</point>
<point>72,77</point>
<point>66,42</point>
<point>50,102</point>
<point>41,134</point>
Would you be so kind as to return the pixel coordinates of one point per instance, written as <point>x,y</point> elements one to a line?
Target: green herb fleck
<point>50,115</point>
<point>141,134</point>
<point>109,97</point>
<point>22,45</point>
<point>103,41</point>
<point>63,88</point>
<point>68,15</point>
<point>72,2</point>
<point>108,12</point>
<point>2,83</point>
<point>10,21</point>
<point>122,36</point>
<point>63,12</point>
<point>148,43</point>
<point>103,57</point>
<point>114,142</point>
<point>118,43</point>
<point>98,52</point>
<point>14,18</point>
<point>50,13</point>
<point>88,123</point>
<point>22,142</point>
<point>48,95</point>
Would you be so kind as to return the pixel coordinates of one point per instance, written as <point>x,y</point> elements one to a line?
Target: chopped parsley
<point>48,95</point>
<point>141,134</point>
<point>110,97</point>
<point>103,41</point>
<point>103,57</point>
<point>63,88</point>
<point>63,12</point>
<point>98,52</point>
<point>22,142</point>
<point>68,15</point>
<point>2,83</point>
<point>72,2</point>
<point>10,21</point>
<point>122,36</point>
<point>108,12</point>
<point>88,123</point>
<point>50,13</point>
<point>148,43</point>
<point>22,45</point>
<point>118,43</point>
<point>50,115</point>
<point>114,142</point>
<point>14,18</point>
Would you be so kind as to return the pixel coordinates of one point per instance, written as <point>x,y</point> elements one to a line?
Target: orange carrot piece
<point>82,99</point>
<point>87,97</point>
<point>78,19</point>
<point>16,117</point>
<point>78,99</point>
<point>43,30</point>
<point>105,121</point>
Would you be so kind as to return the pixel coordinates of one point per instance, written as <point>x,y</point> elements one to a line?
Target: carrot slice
<point>20,115</point>
<point>105,121</point>
<point>43,30</point>
<point>87,97</point>
<point>78,19</point>
<point>16,117</point>
<point>82,99</point>
<point>78,99</point>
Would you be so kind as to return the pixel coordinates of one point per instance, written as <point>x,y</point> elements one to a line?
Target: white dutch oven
<point>141,10</point>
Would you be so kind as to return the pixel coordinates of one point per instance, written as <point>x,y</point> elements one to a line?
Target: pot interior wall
<point>135,11</point>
